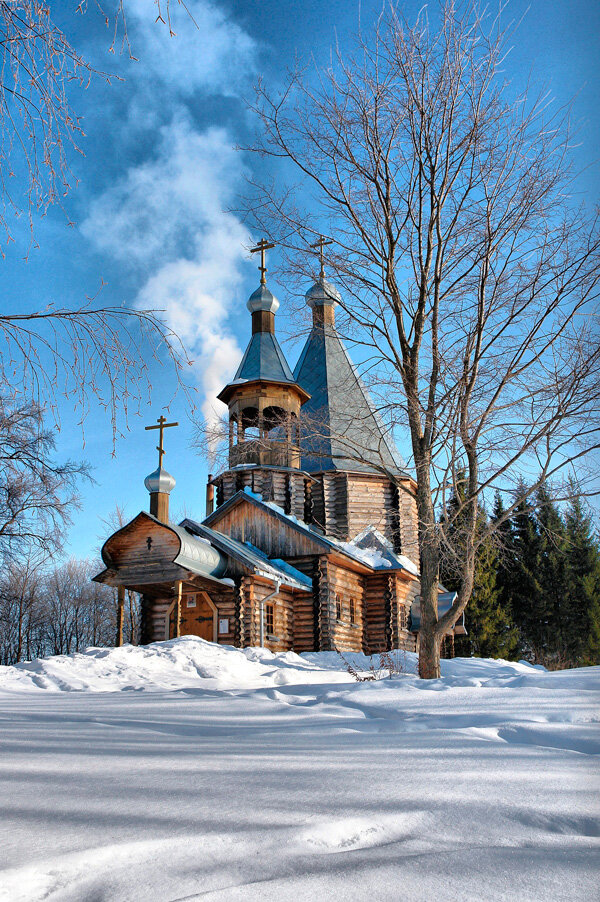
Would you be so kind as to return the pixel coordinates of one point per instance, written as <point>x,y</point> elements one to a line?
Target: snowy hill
<point>189,770</point>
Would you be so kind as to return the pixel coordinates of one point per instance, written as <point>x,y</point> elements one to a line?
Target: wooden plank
<point>120,615</point>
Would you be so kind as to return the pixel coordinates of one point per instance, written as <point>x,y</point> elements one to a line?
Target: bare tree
<point>37,494</point>
<point>92,352</point>
<point>20,581</point>
<point>469,273</point>
<point>38,125</point>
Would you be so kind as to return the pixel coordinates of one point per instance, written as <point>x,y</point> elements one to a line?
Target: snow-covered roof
<point>375,550</point>
<point>383,558</point>
<point>252,557</point>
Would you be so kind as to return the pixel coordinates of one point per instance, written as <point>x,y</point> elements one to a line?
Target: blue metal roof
<point>343,430</point>
<point>264,359</point>
<point>252,557</point>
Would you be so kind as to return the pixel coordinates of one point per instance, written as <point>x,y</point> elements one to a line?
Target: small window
<point>338,607</point>
<point>402,617</point>
<point>352,610</point>
<point>270,619</point>
<point>190,601</point>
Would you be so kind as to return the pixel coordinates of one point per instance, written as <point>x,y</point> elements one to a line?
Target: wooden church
<point>310,539</point>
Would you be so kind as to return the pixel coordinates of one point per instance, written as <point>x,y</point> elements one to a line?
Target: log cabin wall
<point>373,502</point>
<point>335,505</point>
<point>409,522</point>
<point>378,613</point>
<point>345,586</point>
<point>154,619</point>
<point>344,504</point>
<point>286,488</point>
<point>248,523</point>
<point>323,606</point>
<point>304,622</point>
<point>406,592</point>
<point>248,625</point>
<point>282,639</point>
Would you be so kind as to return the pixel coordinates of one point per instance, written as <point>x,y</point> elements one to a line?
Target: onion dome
<point>262,300</point>
<point>159,481</point>
<point>322,294</point>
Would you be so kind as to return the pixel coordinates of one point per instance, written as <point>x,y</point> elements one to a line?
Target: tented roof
<point>342,430</point>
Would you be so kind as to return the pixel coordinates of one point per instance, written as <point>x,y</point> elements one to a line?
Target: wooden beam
<point>178,587</point>
<point>120,615</point>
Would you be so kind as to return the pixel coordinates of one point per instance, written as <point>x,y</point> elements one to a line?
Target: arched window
<point>274,420</point>
<point>250,424</point>
<point>295,430</point>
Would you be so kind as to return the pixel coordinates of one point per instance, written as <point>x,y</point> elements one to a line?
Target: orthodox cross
<point>321,244</point>
<point>262,246</point>
<point>162,425</point>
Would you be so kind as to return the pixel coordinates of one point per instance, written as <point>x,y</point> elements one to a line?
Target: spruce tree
<point>582,614</point>
<point>553,567</point>
<point>490,630</point>
<point>529,605</point>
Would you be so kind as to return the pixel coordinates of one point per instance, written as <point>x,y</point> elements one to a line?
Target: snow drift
<point>191,662</point>
<point>186,770</point>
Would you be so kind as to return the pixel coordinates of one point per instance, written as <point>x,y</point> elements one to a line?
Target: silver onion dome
<point>262,299</point>
<point>322,294</point>
<point>159,481</point>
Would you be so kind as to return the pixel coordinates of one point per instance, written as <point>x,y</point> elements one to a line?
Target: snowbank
<point>191,662</point>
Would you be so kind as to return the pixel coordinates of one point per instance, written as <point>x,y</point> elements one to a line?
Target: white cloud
<point>216,56</point>
<point>169,217</point>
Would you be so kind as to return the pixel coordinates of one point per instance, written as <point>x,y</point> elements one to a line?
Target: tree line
<point>56,610</point>
<point>536,591</point>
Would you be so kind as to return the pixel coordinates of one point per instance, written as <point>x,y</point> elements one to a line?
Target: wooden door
<point>198,616</point>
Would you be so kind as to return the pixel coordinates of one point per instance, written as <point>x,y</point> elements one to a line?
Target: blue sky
<point>160,173</point>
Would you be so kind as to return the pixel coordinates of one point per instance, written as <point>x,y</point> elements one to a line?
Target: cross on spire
<point>162,425</point>
<point>321,244</point>
<point>262,246</point>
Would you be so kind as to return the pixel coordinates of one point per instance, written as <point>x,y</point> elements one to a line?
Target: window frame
<point>353,611</point>
<point>269,614</point>
<point>339,608</point>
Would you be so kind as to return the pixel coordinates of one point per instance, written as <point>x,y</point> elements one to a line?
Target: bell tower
<point>264,402</point>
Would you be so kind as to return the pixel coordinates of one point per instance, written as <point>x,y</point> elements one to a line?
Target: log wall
<point>346,636</point>
<point>286,488</point>
<point>248,523</point>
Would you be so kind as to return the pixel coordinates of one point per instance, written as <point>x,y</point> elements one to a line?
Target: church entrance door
<point>199,617</point>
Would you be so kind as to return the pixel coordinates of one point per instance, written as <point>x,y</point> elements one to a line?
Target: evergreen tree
<point>582,614</point>
<point>490,630</point>
<point>529,605</point>
<point>553,566</point>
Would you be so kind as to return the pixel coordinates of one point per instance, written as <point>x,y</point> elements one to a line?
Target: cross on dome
<point>321,244</point>
<point>162,425</point>
<point>263,246</point>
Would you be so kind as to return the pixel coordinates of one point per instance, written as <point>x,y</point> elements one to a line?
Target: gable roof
<point>252,557</point>
<point>375,549</point>
<point>349,549</point>
<point>341,410</point>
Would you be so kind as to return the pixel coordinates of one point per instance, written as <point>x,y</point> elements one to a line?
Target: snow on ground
<point>185,771</point>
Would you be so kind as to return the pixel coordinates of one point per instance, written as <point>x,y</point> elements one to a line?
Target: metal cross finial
<point>162,425</point>
<point>321,244</point>
<point>262,246</point>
